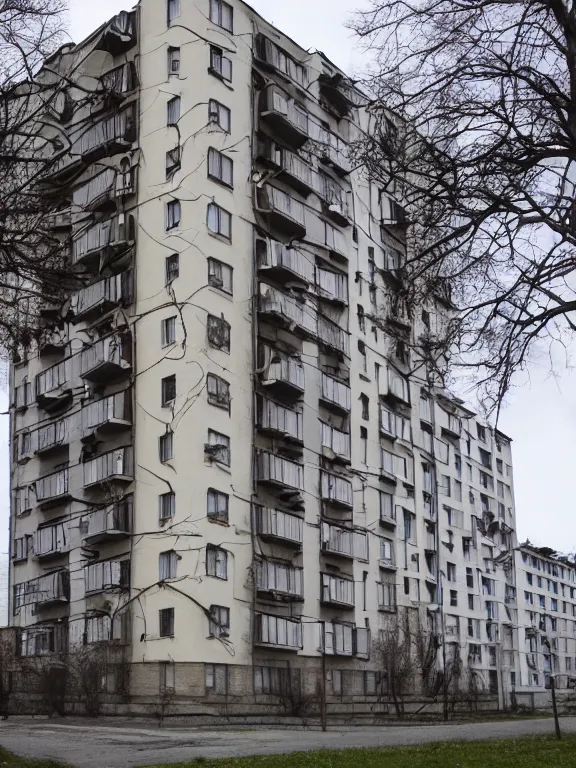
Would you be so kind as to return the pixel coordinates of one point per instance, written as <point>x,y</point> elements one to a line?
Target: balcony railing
<point>111,235</point>
<point>344,542</point>
<point>332,285</point>
<point>54,378</point>
<point>53,487</point>
<point>337,590</point>
<point>273,417</point>
<point>108,576</point>
<point>50,540</point>
<point>114,465</point>
<point>287,118</point>
<point>386,596</point>
<point>332,335</point>
<point>291,168</point>
<point>284,212</point>
<point>52,436</point>
<point>281,371</point>
<point>284,262</point>
<point>276,524</point>
<point>282,578</point>
<point>110,523</point>
<point>113,412</point>
<point>107,136</point>
<point>277,632</point>
<point>98,190</point>
<point>107,358</point>
<point>102,296</point>
<point>336,442</point>
<point>120,80</point>
<point>336,393</point>
<point>43,590</point>
<point>119,35</point>
<point>336,490</point>
<point>279,471</point>
<point>302,315</point>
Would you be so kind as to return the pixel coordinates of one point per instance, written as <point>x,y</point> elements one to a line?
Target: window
<point>471,602</point>
<point>168,386</point>
<point>409,526</point>
<point>20,550</point>
<point>172,267</point>
<point>172,162</point>
<point>173,111</point>
<point>361,318</point>
<point>453,598</point>
<point>216,562</point>
<point>469,578</point>
<point>168,563</point>
<point>554,625</point>
<point>219,115</point>
<point>218,447</point>
<point>221,14</point>
<point>219,221</point>
<point>167,506</point>
<point>220,275</point>
<point>568,662</point>
<point>166,446</point>
<point>166,622</point>
<point>271,680</point>
<point>219,64</point>
<point>173,10</point>
<point>220,167</point>
<point>364,400</point>
<point>218,391</point>
<point>173,214</point>
<point>553,604</point>
<point>542,601</point>
<point>387,511</point>
<point>219,623</point>
<point>218,333</point>
<point>168,327</point>
<point>445,485</point>
<point>481,431</point>
<point>369,683</point>
<point>364,442</point>
<point>500,466</point>
<point>173,61</point>
<point>529,579</point>
<point>216,678</point>
<point>451,571</point>
<point>217,506</point>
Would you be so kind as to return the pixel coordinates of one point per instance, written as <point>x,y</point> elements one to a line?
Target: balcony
<point>60,220</point>
<point>281,373</point>
<point>108,136</point>
<point>97,192</point>
<point>119,81</point>
<point>283,212</point>
<point>344,542</point>
<point>338,92</point>
<point>297,315</point>
<point>109,524</point>
<point>108,576</point>
<point>335,154</point>
<point>279,472</point>
<point>51,589</point>
<point>108,359</point>
<point>386,597</point>
<point>43,640</point>
<point>336,490</point>
<point>284,263</point>
<point>111,414</point>
<point>332,335</point>
<point>278,420</point>
<point>101,297</point>
<point>119,35</point>
<point>336,590</point>
<point>277,632</point>
<point>52,489</point>
<point>113,466</point>
<point>345,640</point>
<point>276,525</point>
<point>335,444</point>
<point>280,579</point>
<point>105,240</point>
<point>51,437</point>
<point>50,541</point>
<point>53,385</point>
<point>336,394</point>
<point>332,286</point>
<point>284,116</point>
<point>290,168</point>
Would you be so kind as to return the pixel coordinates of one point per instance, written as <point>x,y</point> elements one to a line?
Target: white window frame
<point>220,276</point>
<point>167,565</point>
<point>173,215</point>
<point>167,506</point>
<point>217,562</point>
<point>171,265</point>
<point>173,110</point>
<point>166,446</point>
<point>168,330</point>
<point>173,59</point>
<point>220,115</point>
<point>224,455</point>
<point>215,498</point>
<point>219,621</point>
<point>172,10</point>
<point>219,221</point>
<point>218,391</point>
<point>220,167</point>
<point>220,65</point>
<point>222,14</point>
<point>172,621</point>
<point>167,401</point>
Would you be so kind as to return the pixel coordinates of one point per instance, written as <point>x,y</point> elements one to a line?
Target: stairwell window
<point>222,14</point>
<point>220,276</point>
<point>217,506</point>
<point>173,111</point>
<point>167,565</point>
<point>218,447</point>
<point>219,623</point>
<point>220,65</point>
<point>218,391</point>
<point>166,622</point>
<point>219,115</point>
<point>219,221</point>
<point>173,61</point>
<point>168,389</point>
<point>167,506</point>
<point>220,167</point>
<point>216,562</point>
<point>172,10</point>
<point>172,267</point>
<point>173,214</point>
<point>166,446</point>
<point>168,331</point>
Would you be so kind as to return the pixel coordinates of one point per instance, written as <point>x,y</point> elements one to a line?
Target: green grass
<point>8,760</point>
<point>530,752</point>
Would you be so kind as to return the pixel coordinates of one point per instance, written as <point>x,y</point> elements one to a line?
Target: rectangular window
<point>221,14</point>
<point>167,565</point>
<point>219,221</point>
<point>387,511</point>
<point>173,163</point>
<point>219,623</point>
<point>217,506</point>
<point>220,167</point>
<point>219,115</point>
<point>369,683</point>
<point>173,214</point>
<point>469,578</point>
<point>167,505</point>
<point>274,680</point>
<point>172,264</point>
<point>168,387</point>
<point>218,447</point>
<point>220,275</point>
<point>218,391</point>
<point>471,602</point>
<point>173,111</point>
<point>166,446</point>
<point>168,328</point>
<point>451,571</point>
<point>218,333</point>
<point>220,65</point>
<point>173,10</point>
<point>166,620</point>
<point>216,562</point>
<point>453,598</point>
<point>445,485</point>
<point>173,61</point>
<point>216,678</point>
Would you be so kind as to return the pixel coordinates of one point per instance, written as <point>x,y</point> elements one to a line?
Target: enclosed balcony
<point>103,296</point>
<point>332,286</point>
<point>60,220</point>
<point>276,419</point>
<point>52,489</point>
<point>334,201</point>
<point>103,240</point>
<point>284,116</point>
<point>335,154</point>
<point>283,263</point>
<point>119,81</point>
<point>108,576</point>
<point>113,466</point>
<point>332,335</point>
<point>386,596</point>
<point>292,313</point>
<point>97,192</point>
<point>277,632</point>
<point>279,579</point>
<point>281,373</point>
<point>284,213</point>
<point>51,437</point>
<point>344,542</point>
<point>290,167</point>
<point>337,590</point>
<point>43,640</point>
<point>335,443</point>
<point>336,490</point>
<point>108,136</point>
<point>110,523</point>
<point>108,359</point>
<point>339,639</point>
<point>50,541</point>
<point>339,93</point>
<point>276,525</point>
<point>119,35</point>
<point>53,385</point>
<point>50,589</point>
<point>110,414</point>
<point>336,394</point>
<point>279,472</point>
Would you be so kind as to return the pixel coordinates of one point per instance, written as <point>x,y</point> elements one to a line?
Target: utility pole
<point>554,706</point>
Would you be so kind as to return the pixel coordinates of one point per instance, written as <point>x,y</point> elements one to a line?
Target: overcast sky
<point>541,414</point>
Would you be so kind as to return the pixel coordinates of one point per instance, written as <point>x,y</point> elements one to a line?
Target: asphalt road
<point>93,744</point>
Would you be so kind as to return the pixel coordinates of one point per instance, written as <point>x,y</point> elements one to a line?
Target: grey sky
<point>541,414</point>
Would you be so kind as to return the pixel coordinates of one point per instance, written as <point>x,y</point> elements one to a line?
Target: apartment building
<point>233,465</point>
<point>546,619</point>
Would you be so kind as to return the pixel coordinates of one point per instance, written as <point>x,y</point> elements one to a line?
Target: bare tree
<point>396,654</point>
<point>475,133</point>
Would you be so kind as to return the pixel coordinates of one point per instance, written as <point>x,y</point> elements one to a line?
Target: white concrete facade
<point>286,472</point>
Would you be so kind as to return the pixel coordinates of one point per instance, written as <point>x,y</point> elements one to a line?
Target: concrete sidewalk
<point>94,744</point>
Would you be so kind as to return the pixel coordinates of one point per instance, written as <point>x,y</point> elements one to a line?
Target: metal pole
<point>444,673</point>
<point>554,707</point>
<point>323,717</point>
